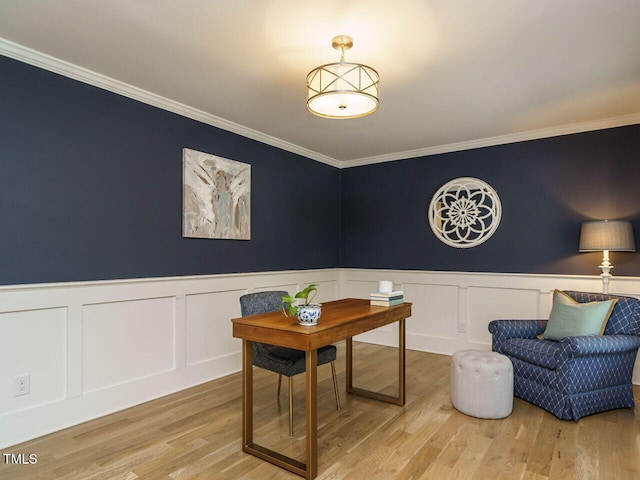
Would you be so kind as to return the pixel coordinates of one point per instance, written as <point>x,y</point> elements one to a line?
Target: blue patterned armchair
<point>576,376</point>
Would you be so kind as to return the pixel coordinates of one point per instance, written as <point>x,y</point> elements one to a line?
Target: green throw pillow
<point>569,318</point>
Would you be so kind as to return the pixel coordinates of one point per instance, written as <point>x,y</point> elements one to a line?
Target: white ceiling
<point>454,74</point>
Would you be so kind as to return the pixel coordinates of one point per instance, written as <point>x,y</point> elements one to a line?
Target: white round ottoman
<point>482,383</point>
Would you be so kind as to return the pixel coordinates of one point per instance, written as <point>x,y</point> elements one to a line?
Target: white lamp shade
<point>343,90</point>
<point>615,236</point>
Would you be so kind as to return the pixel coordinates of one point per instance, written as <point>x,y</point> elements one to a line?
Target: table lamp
<point>606,236</point>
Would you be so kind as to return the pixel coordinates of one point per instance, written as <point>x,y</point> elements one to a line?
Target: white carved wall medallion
<point>465,212</point>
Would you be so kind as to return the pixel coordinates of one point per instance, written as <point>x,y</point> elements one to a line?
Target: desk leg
<point>400,399</point>
<point>402,362</point>
<point>349,364</point>
<point>308,470</point>
<point>312,413</point>
<point>247,394</point>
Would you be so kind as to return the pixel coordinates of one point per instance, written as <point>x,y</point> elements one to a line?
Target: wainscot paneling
<point>451,310</point>
<point>208,329</point>
<point>97,347</point>
<point>123,341</point>
<point>488,303</point>
<point>32,343</point>
<point>93,348</point>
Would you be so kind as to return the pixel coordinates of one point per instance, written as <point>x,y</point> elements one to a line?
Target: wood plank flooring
<point>196,434</point>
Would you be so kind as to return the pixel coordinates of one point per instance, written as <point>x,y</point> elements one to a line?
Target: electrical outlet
<point>462,327</point>
<point>21,385</point>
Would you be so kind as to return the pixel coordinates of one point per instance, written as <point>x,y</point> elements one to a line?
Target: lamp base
<point>606,268</point>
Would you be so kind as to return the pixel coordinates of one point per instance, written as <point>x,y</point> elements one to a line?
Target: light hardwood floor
<point>196,434</point>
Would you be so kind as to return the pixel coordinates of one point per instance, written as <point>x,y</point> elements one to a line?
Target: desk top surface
<point>340,319</point>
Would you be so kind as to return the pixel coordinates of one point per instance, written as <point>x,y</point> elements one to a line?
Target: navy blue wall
<point>547,188</point>
<point>91,188</point>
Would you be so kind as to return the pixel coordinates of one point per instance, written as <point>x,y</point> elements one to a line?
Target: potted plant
<point>300,305</point>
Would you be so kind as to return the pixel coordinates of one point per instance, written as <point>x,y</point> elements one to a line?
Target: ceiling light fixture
<point>343,90</point>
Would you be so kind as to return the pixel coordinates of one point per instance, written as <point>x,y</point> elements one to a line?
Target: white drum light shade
<point>343,90</point>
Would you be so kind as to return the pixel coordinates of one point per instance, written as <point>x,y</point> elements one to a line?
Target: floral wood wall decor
<point>216,197</point>
<point>465,212</point>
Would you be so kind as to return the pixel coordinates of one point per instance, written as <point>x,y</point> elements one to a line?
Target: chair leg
<point>335,389</point>
<point>335,385</point>
<point>291,406</point>
<point>279,383</point>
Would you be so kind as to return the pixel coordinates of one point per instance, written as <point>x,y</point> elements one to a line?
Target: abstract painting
<point>216,197</point>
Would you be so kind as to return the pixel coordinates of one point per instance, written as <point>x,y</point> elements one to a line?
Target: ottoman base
<point>482,383</point>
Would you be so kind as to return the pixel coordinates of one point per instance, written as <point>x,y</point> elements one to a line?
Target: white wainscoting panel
<point>125,341</point>
<point>362,288</point>
<point>451,310</point>
<point>33,343</point>
<point>491,303</point>
<point>209,330</point>
<point>438,307</point>
<point>92,348</point>
<point>327,290</point>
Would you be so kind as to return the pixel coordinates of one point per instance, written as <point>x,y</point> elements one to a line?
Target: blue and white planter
<point>308,314</point>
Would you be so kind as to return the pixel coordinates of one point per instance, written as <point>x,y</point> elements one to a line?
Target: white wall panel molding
<point>208,334</point>
<point>74,350</point>
<point>93,348</point>
<point>125,341</point>
<point>451,310</point>
<point>34,343</point>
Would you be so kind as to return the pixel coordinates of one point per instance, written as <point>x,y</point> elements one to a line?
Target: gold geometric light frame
<point>343,90</point>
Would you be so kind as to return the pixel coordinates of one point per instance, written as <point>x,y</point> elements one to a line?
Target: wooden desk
<point>341,319</point>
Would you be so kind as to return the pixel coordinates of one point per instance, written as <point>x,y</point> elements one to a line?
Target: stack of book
<point>387,299</point>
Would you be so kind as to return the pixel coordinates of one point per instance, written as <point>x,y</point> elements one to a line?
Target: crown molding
<point>499,140</point>
<point>52,64</point>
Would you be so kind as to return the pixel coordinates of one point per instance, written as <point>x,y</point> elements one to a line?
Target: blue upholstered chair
<point>576,376</point>
<point>281,360</point>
